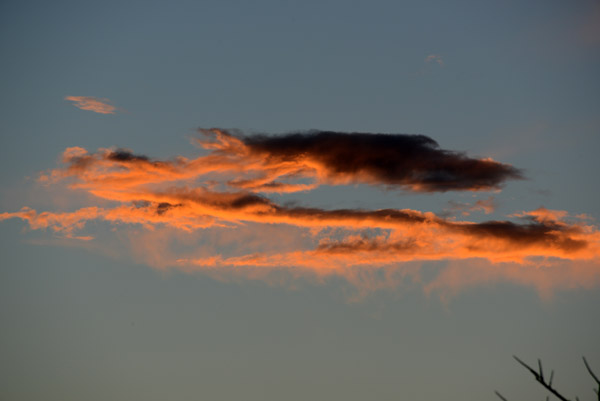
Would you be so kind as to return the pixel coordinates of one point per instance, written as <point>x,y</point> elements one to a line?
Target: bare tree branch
<point>597,391</point>
<point>539,376</point>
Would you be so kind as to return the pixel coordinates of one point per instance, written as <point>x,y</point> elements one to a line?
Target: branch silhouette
<point>587,366</point>
<point>539,376</point>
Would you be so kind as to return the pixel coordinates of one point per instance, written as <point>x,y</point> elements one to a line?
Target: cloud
<point>407,234</point>
<point>486,206</point>
<point>227,189</point>
<point>434,58</point>
<point>298,162</point>
<point>97,105</point>
<point>413,236</point>
<point>413,162</point>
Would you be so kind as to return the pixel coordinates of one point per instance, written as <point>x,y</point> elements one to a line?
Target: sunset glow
<point>228,187</point>
<point>299,200</point>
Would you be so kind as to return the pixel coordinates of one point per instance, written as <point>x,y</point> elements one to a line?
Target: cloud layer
<point>91,103</point>
<point>227,188</point>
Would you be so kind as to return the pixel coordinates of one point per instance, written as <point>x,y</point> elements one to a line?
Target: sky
<point>280,200</point>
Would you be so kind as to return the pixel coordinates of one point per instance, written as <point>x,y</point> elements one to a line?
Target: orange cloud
<point>225,190</point>
<point>422,241</point>
<point>97,105</point>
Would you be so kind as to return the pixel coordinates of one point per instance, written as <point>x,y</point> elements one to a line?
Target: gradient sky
<point>268,259</point>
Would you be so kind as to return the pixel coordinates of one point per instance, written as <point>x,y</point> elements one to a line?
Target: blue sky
<point>116,317</point>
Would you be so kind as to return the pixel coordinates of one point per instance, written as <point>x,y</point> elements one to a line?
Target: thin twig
<point>527,366</point>
<point>590,370</point>
<point>541,371</point>
<point>500,396</point>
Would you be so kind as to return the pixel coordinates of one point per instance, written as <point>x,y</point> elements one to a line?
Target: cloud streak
<point>486,206</point>
<point>97,105</point>
<point>228,187</point>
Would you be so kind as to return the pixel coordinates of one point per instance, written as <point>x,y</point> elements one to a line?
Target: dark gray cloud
<point>413,161</point>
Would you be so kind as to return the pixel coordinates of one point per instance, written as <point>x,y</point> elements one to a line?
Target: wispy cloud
<point>227,189</point>
<point>97,105</point>
<point>486,206</point>
<point>435,58</point>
